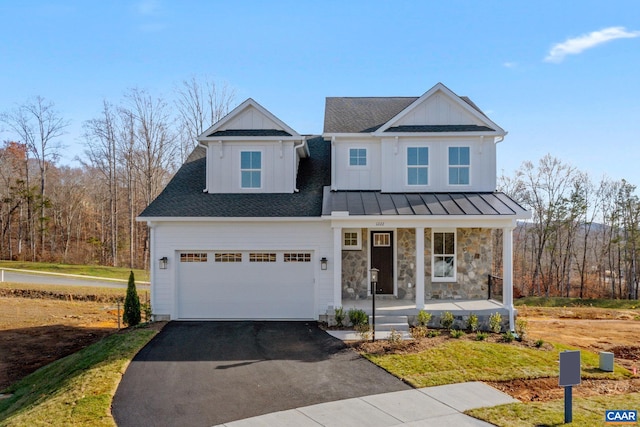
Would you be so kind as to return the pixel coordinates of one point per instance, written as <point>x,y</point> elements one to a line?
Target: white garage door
<point>245,285</point>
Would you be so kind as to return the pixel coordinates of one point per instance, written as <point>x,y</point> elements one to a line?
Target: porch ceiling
<point>432,204</point>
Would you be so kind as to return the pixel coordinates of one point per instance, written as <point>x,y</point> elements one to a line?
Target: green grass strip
<point>577,302</point>
<point>587,411</point>
<point>76,390</point>
<point>83,270</point>
<point>460,361</point>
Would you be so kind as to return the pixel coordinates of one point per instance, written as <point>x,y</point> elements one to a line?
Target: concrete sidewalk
<point>431,406</point>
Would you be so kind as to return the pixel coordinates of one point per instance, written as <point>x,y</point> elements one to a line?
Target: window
<point>357,157</point>
<point>381,240</point>
<point>444,255</point>
<point>250,169</point>
<point>193,257</point>
<point>417,165</point>
<point>262,257</point>
<point>297,257</point>
<point>351,240</point>
<point>229,257</point>
<point>459,162</point>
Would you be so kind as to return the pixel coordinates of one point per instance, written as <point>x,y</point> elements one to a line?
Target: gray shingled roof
<point>183,196</point>
<point>250,132</point>
<point>378,203</point>
<point>367,114</point>
<point>440,128</point>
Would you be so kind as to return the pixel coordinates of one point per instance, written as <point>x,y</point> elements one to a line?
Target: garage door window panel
<point>262,257</point>
<point>297,257</point>
<point>193,257</point>
<point>228,257</point>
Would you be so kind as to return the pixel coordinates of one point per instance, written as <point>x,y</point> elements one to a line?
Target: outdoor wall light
<point>163,262</point>
<point>323,263</point>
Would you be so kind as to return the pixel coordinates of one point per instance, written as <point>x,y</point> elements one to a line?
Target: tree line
<point>86,214</point>
<point>583,239</point>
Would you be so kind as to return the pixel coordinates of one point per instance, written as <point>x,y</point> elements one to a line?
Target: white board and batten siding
<point>249,271</point>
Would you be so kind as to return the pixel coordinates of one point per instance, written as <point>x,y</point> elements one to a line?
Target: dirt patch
<point>545,389</point>
<point>35,332</point>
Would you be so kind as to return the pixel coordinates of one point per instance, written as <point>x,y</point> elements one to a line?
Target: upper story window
<point>351,239</point>
<point>459,164</point>
<point>357,157</point>
<point>444,255</point>
<point>417,165</point>
<point>251,169</point>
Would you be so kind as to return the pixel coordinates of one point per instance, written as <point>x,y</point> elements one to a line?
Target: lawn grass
<point>576,302</point>
<point>68,292</point>
<point>587,412</point>
<point>76,390</point>
<point>82,270</point>
<point>460,361</point>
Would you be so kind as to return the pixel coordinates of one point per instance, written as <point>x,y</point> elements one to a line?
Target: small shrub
<point>481,336</point>
<point>131,315</point>
<point>539,343</point>
<point>395,338</point>
<point>508,336</point>
<point>146,309</point>
<point>472,323</point>
<point>495,322</point>
<point>423,318</point>
<point>364,331</point>
<point>447,320</point>
<point>433,333</point>
<point>358,317</point>
<point>339,316</point>
<point>418,332</point>
<point>521,327</point>
<point>456,333</point>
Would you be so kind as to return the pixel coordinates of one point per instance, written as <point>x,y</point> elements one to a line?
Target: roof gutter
<point>502,137</point>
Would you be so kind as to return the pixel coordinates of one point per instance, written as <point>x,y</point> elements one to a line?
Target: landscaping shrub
<point>364,331</point>
<point>433,333</point>
<point>495,322</point>
<point>447,320</point>
<point>418,332</point>
<point>395,338</point>
<point>339,316</point>
<point>481,336</point>
<point>508,336</point>
<point>456,333</point>
<point>131,315</point>
<point>423,318</point>
<point>358,317</point>
<point>521,327</point>
<point>472,323</point>
<point>539,343</point>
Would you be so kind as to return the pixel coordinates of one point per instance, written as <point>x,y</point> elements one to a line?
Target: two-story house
<point>264,223</point>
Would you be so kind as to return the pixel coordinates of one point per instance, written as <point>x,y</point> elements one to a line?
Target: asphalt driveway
<point>208,373</point>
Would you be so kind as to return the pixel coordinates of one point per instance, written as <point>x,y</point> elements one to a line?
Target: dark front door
<point>382,259</point>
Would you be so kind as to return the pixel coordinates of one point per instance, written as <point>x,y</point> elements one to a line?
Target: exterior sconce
<point>323,263</point>
<point>163,263</point>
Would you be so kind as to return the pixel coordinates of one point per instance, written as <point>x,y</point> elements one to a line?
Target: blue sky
<point>562,77</point>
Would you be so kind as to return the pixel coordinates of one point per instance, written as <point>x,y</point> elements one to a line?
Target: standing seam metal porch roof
<point>430,204</point>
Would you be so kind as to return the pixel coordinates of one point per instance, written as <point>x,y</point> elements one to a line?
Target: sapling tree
<point>131,314</point>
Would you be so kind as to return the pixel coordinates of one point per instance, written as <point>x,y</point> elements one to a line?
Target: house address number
<point>379,223</point>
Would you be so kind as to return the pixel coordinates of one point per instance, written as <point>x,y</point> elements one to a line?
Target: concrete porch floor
<point>408,308</point>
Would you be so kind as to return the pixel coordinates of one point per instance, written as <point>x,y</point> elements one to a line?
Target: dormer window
<point>459,164</point>
<point>251,169</point>
<point>418,165</point>
<point>357,157</point>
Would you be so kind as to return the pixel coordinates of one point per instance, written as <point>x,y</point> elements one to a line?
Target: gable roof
<point>277,127</point>
<point>381,114</point>
<point>183,196</point>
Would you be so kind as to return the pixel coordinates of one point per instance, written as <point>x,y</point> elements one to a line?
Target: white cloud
<point>510,64</point>
<point>581,43</point>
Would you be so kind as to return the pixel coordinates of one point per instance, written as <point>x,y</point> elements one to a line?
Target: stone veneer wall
<point>473,258</point>
<point>406,263</point>
<point>355,271</point>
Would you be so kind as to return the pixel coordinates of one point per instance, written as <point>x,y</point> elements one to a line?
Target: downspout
<point>206,168</point>
<point>295,165</point>
<point>502,138</point>
<point>333,163</point>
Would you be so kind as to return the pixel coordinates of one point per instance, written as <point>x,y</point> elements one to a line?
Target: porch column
<point>337,267</point>
<point>419,268</point>
<point>507,273</point>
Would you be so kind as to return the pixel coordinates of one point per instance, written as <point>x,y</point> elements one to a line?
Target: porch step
<point>387,323</point>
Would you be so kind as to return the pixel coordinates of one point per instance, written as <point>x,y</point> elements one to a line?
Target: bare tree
<point>39,125</point>
<point>200,104</point>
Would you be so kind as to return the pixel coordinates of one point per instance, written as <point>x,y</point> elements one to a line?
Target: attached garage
<point>245,285</point>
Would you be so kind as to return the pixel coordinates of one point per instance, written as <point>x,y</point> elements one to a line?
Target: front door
<point>382,259</point>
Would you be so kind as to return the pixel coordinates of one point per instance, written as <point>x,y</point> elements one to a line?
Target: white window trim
<point>366,158</point>
<point>407,166</point>
<point>356,247</point>
<point>261,170</point>
<point>449,166</point>
<point>455,255</point>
